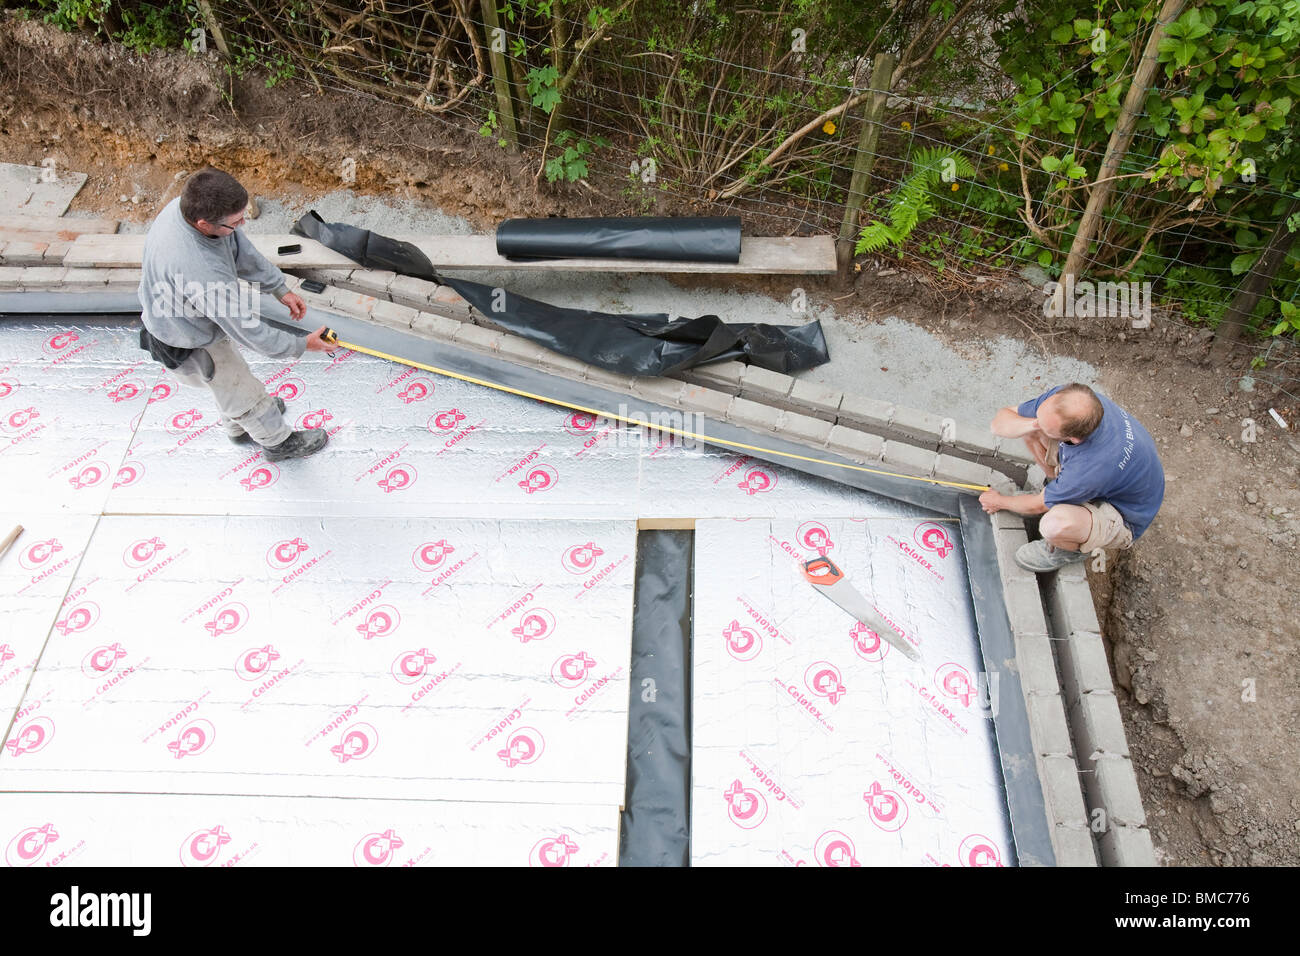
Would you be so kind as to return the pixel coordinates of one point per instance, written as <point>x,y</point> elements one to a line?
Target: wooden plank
<point>52,228</point>
<point>665,524</point>
<point>813,255</point>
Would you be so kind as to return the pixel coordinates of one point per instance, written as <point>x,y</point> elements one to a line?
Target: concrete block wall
<point>1081,754</point>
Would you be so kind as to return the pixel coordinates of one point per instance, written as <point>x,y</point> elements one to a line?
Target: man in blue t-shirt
<point>1104,479</point>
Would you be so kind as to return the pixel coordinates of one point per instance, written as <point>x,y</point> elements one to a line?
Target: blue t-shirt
<point>1116,463</point>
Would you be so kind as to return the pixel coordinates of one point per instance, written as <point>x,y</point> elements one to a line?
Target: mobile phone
<point>289,250</point>
<point>312,285</point>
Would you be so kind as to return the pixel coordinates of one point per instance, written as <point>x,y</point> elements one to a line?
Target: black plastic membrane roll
<point>678,239</point>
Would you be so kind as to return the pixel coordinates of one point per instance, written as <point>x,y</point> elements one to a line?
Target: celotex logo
<point>37,554</point>
<point>823,679</point>
<point>540,478</point>
<point>264,476</point>
<point>141,552</point>
<point>194,738</point>
<point>867,644</point>
<point>552,851</point>
<point>746,807</point>
<point>376,849</point>
<point>58,344</point>
<point>524,746</point>
<point>202,847</point>
<point>285,554</point>
<point>815,536</point>
<point>252,663</point>
<point>581,558</point>
<point>410,666</point>
<point>7,389</point>
<point>398,478</point>
<point>979,850</point>
<point>101,660</point>
<point>430,555</point>
<point>446,421</point>
<point>128,474</point>
<point>314,419</point>
<point>580,424</point>
<point>933,537</point>
<point>954,681</point>
<point>89,476</point>
<point>181,422</point>
<point>757,481</point>
<point>125,392</point>
<point>82,617</point>
<point>357,742</point>
<point>888,811</point>
<point>162,391</point>
<point>570,671</point>
<point>18,420</point>
<point>834,848</point>
<point>228,619</point>
<point>417,391</point>
<point>289,389</point>
<point>27,848</point>
<point>535,625</point>
<point>380,622</point>
<point>742,643</point>
<point>32,737</point>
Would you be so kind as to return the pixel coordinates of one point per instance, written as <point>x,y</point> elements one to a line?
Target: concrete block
<point>408,290</point>
<point>372,281</point>
<point>1116,786</point>
<point>804,428</point>
<point>1098,728</point>
<point>975,439</point>
<point>43,277</point>
<point>1035,478</point>
<point>860,412</point>
<point>88,279</point>
<point>1047,727</point>
<point>560,364</point>
<point>55,251</point>
<point>1073,846</point>
<point>1063,793</point>
<point>606,379</point>
<point>447,300</point>
<point>520,350</point>
<point>21,253</point>
<point>660,391</point>
<point>910,458</point>
<point>1024,606</point>
<point>819,401</point>
<point>763,385</point>
<point>922,428</point>
<point>485,340</point>
<point>122,279</point>
<point>1006,543</point>
<point>393,315</point>
<point>706,401</point>
<point>1003,484</point>
<point>958,469</point>
<point>858,445</point>
<point>749,414</point>
<point>723,376</point>
<point>1127,846</point>
<point>1084,668</point>
<point>1009,521</point>
<point>1070,600</point>
<point>435,326</point>
<point>1035,664</point>
<point>1014,449</point>
<point>354,303</point>
<point>11,278</point>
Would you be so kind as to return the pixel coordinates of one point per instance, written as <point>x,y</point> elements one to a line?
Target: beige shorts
<point>1108,528</point>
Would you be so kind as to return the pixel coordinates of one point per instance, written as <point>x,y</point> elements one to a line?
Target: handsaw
<point>823,574</point>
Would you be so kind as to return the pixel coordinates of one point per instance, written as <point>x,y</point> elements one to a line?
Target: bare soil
<point>1200,617</point>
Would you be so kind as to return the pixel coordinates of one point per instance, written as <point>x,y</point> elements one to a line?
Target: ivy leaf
<point>1064,33</point>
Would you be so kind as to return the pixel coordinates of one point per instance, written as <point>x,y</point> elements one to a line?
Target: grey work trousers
<point>242,400</point>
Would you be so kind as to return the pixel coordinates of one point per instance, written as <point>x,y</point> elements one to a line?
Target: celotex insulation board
<point>414,646</point>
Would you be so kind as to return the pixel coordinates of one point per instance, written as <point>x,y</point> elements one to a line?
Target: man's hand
<point>317,344</point>
<point>293,302</point>
<point>991,501</point>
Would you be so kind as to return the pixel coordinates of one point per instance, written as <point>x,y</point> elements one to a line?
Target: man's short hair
<point>1081,411</point>
<point>212,195</point>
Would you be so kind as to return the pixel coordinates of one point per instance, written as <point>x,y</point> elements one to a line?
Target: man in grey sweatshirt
<point>194,257</point>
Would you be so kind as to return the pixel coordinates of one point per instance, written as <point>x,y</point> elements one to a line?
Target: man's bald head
<point>1072,413</point>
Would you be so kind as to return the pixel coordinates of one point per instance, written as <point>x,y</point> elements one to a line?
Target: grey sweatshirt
<point>189,290</point>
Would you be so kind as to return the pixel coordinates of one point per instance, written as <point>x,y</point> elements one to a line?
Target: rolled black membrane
<point>679,239</point>
<point>643,344</point>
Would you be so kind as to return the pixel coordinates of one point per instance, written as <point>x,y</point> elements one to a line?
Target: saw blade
<point>824,575</point>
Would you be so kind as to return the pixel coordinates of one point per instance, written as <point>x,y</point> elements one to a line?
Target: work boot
<point>243,438</point>
<point>299,444</point>
<point>1041,557</point>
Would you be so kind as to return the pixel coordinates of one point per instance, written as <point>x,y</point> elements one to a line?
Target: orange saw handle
<point>822,572</point>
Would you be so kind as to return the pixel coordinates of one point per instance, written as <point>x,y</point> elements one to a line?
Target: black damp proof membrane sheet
<point>641,344</point>
<point>677,239</point>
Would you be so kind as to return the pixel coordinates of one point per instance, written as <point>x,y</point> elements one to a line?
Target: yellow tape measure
<point>332,338</point>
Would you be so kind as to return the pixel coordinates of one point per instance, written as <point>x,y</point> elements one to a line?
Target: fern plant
<point>913,203</point>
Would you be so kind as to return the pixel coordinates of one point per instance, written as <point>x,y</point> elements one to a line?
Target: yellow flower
<point>990,150</point>
<point>954,187</point>
<point>906,125</point>
<point>828,127</point>
<point>1003,166</point>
